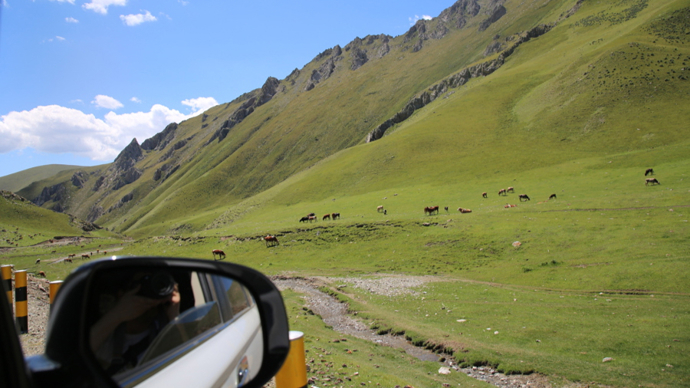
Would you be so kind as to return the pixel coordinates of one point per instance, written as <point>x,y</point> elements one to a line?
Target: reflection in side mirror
<point>162,323</point>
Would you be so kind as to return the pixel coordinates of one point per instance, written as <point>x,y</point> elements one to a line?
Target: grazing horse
<point>221,254</point>
<point>67,260</point>
<point>71,255</point>
<point>311,215</point>
<point>271,240</point>
<point>502,192</point>
<point>326,216</point>
<point>463,210</point>
<point>523,196</point>
<point>431,210</point>
<point>485,195</point>
<point>653,181</point>
<point>312,218</point>
<point>379,208</point>
<point>552,196</point>
<point>304,219</point>
<point>38,261</point>
<point>649,171</point>
<point>41,273</point>
<point>85,256</point>
<point>446,209</point>
<point>335,215</point>
<point>510,189</point>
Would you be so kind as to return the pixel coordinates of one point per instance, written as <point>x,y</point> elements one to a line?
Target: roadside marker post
<point>293,373</point>
<point>20,301</point>
<point>7,279</point>
<point>54,287</point>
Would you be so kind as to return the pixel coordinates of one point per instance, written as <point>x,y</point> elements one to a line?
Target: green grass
<point>19,180</point>
<point>580,112</point>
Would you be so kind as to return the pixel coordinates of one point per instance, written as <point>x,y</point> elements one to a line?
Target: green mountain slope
<point>544,84</point>
<point>19,180</point>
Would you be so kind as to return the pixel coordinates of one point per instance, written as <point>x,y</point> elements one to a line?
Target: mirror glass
<point>164,322</point>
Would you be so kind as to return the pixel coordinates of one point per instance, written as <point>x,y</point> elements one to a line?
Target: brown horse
<point>510,189</point>
<point>653,181</point>
<point>221,254</point>
<point>85,256</point>
<point>326,216</point>
<point>463,210</point>
<point>649,171</point>
<point>502,192</point>
<point>431,210</point>
<point>41,273</point>
<point>67,260</point>
<point>271,240</point>
<point>485,195</point>
<point>335,215</point>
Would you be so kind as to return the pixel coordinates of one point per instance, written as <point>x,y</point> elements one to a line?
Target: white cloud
<point>56,129</point>
<point>417,17</point>
<point>135,20</point>
<point>107,102</point>
<point>71,20</point>
<point>134,99</point>
<point>183,2</point>
<point>59,38</point>
<point>64,1</point>
<point>101,6</point>
<point>200,105</point>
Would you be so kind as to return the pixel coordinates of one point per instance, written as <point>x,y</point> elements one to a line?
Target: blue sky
<point>80,79</point>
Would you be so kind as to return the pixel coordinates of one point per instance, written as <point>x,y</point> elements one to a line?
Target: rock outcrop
<point>161,139</point>
<point>264,95</point>
<point>496,11</point>
<point>79,178</point>
<point>326,69</point>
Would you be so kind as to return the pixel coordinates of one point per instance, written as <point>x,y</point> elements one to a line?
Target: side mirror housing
<point>126,321</point>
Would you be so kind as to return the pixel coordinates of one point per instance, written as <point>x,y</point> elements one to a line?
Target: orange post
<point>293,373</point>
<point>7,279</point>
<point>54,287</point>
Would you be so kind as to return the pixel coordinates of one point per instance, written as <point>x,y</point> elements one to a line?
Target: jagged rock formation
<point>454,81</point>
<point>54,193</point>
<point>79,178</point>
<point>267,92</point>
<point>326,69</point>
<point>161,139</point>
<point>496,11</point>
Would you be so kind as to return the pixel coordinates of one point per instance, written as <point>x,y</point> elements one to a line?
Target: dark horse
<point>653,181</point>
<point>521,196</point>
<point>552,196</point>
<point>221,254</point>
<point>431,210</point>
<point>649,171</point>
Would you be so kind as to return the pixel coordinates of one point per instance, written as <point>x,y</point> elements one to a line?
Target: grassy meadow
<point>602,270</point>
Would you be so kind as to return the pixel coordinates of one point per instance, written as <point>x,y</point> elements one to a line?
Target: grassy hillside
<point>599,271</point>
<point>19,180</point>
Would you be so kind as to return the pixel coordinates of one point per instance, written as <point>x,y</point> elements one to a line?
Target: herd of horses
<point>428,210</point>
<point>311,217</point>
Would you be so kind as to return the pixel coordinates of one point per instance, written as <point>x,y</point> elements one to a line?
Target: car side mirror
<point>164,321</point>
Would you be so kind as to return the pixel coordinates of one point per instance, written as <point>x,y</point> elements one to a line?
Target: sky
<point>80,78</point>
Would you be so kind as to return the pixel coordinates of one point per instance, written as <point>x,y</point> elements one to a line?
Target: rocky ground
<point>335,314</point>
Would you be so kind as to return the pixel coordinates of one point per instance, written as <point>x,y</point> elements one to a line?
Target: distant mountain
<point>487,87</point>
<point>19,180</point>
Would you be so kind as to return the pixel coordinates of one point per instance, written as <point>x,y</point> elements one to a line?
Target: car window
<point>140,320</point>
<point>237,295</point>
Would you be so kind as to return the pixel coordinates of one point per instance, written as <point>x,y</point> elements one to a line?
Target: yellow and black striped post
<point>7,279</point>
<point>293,373</point>
<point>21,308</point>
<point>54,287</point>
